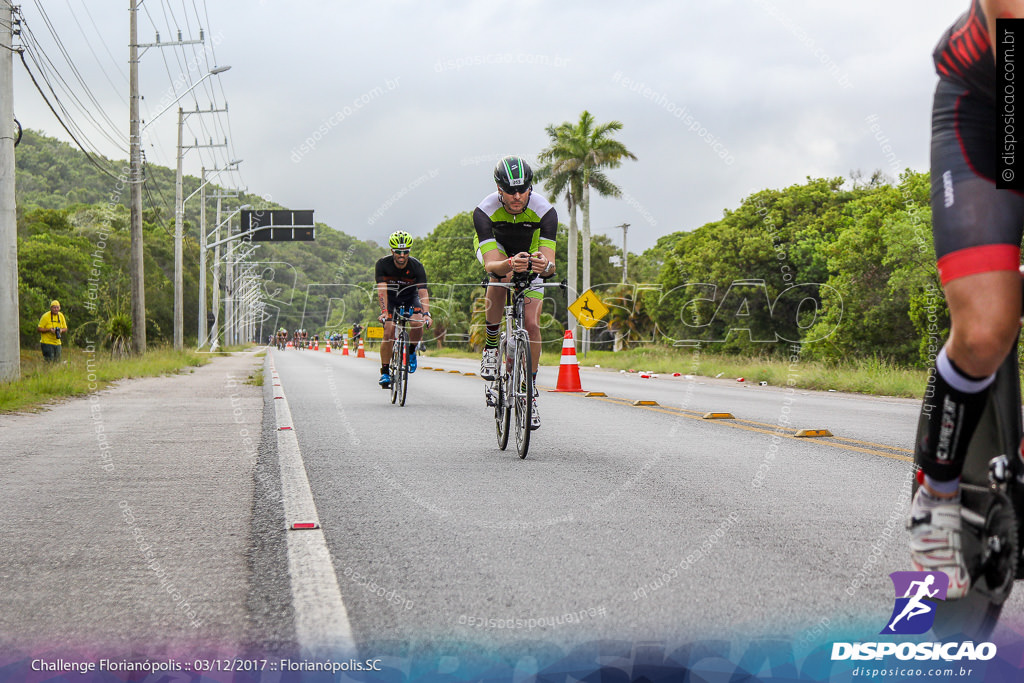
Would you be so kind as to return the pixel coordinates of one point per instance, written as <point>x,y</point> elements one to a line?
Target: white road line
<point>321,620</point>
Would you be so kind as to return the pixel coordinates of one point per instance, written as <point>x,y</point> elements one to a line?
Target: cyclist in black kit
<point>515,232</point>
<point>977,231</point>
<point>401,281</point>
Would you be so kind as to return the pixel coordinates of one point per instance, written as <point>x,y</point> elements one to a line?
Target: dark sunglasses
<point>517,190</point>
<point>400,252</point>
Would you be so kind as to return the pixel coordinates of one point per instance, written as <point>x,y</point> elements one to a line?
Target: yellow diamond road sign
<point>588,309</point>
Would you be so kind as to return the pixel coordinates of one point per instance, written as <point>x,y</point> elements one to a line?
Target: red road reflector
<point>301,526</point>
<point>282,428</point>
<point>277,397</point>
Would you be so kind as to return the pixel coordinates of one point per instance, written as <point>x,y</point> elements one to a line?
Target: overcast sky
<point>387,115</point>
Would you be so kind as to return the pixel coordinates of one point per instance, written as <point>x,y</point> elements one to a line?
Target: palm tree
<point>575,163</point>
<point>561,173</point>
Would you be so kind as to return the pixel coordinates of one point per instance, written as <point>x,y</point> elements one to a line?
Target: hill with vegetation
<point>843,268</point>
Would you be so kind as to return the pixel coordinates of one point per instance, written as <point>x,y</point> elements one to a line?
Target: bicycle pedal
<point>998,470</point>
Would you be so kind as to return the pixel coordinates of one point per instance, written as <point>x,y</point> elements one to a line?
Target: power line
<point>87,155</point>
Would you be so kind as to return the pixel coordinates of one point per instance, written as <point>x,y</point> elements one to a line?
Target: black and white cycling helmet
<point>512,175</point>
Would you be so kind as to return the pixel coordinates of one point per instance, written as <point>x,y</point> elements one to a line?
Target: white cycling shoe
<point>935,541</point>
<point>489,364</point>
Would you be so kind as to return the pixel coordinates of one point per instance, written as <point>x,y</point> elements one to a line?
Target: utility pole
<point>179,216</point>
<point>179,210</point>
<point>625,254</point>
<point>138,282</point>
<point>10,343</point>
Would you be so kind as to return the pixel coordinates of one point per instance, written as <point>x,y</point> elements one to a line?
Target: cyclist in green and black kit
<point>515,232</point>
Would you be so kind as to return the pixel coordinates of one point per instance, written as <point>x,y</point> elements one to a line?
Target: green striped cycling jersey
<point>496,228</point>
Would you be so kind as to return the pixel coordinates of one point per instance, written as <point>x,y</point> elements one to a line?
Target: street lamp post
<point>135,139</point>
<point>179,213</point>
<point>625,254</point>
<point>215,339</point>
<point>202,335</point>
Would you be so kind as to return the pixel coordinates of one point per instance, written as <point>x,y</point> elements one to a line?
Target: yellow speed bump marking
<point>426,367</point>
<point>457,372</point>
<point>594,393</point>
<point>645,403</point>
<point>438,369</point>
<point>469,374</point>
<point>813,432</point>
<point>719,416</point>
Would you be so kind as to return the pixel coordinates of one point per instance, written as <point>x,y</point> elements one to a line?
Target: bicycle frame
<point>513,389</point>
<point>400,356</point>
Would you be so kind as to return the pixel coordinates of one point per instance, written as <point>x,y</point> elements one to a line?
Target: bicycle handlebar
<point>521,283</point>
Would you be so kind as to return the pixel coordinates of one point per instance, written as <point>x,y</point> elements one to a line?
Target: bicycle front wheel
<point>403,372</point>
<point>522,393</point>
<point>394,368</point>
<point>500,395</point>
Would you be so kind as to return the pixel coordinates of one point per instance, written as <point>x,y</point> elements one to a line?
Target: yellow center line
<point>773,431</point>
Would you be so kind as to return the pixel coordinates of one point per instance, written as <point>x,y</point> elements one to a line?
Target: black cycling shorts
<point>977,228</point>
<point>407,301</point>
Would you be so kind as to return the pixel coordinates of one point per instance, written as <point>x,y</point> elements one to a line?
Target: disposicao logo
<point>912,614</point>
<point>914,611</point>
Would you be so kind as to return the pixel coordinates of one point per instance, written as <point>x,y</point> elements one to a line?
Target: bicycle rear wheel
<point>522,393</point>
<point>500,393</point>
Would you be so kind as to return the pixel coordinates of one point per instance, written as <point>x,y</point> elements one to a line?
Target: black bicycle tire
<point>403,368</point>
<point>502,407</point>
<point>523,393</point>
<point>393,370</point>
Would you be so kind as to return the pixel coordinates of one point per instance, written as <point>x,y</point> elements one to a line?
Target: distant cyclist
<point>977,231</point>
<point>401,282</point>
<point>515,232</point>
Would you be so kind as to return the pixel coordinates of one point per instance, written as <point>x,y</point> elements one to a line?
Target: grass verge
<point>80,373</point>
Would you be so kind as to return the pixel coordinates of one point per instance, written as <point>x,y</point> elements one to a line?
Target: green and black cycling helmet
<point>512,174</point>
<point>400,239</point>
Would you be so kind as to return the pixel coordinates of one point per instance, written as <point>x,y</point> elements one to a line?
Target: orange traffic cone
<point>569,367</point>
<point>327,346</point>
<point>344,347</point>
<point>316,344</point>
<point>360,353</point>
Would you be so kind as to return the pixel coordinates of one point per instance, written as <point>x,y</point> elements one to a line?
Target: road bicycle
<point>992,502</point>
<point>398,368</point>
<point>512,391</point>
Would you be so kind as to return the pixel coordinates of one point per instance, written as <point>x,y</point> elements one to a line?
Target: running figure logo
<point>914,611</point>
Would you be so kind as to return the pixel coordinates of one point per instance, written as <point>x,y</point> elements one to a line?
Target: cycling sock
<point>925,501</point>
<point>952,407</point>
<point>384,369</point>
<point>493,335</point>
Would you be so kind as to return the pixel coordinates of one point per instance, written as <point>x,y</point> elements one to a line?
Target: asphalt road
<point>630,523</point>
<point>149,520</point>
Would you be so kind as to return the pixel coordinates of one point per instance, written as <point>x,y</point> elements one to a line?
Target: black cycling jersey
<point>976,227</point>
<point>403,283</point>
<point>964,53</point>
